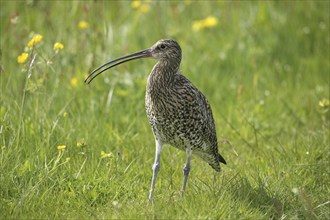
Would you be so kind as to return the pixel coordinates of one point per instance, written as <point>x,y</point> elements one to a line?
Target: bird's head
<point>166,49</point>
<point>163,50</point>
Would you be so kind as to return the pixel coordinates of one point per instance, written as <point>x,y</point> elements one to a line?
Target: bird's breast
<point>172,115</point>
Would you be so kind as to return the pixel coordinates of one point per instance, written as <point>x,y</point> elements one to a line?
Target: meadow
<point>77,151</point>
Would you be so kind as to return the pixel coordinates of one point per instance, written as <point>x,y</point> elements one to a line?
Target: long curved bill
<point>115,62</point>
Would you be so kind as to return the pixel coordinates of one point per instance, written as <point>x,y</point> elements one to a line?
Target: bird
<point>179,114</point>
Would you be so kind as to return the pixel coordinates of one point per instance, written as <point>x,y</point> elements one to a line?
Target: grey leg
<point>186,170</point>
<point>155,168</point>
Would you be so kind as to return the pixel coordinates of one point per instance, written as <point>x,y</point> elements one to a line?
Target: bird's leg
<point>155,168</point>
<point>186,170</point>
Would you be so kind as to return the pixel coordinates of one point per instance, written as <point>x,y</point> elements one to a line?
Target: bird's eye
<point>162,46</point>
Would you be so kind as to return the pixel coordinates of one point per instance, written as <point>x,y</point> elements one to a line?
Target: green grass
<point>264,69</point>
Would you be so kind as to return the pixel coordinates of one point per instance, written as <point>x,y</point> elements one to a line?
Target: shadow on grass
<point>258,197</point>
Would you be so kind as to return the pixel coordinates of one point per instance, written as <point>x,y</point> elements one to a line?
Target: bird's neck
<point>163,73</point>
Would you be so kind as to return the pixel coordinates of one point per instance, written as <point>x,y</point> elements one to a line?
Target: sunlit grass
<point>69,150</point>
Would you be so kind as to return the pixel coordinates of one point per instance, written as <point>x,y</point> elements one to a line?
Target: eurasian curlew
<point>179,114</point>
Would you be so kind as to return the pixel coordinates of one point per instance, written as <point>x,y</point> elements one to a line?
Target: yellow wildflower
<point>58,46</point>
<point>61,147</point>
<point>324,103</point>
<point>36,39</point>
<point>83,25</point>
<point>74,82</point>
<point>65,114</point>
<point>144,8</point>
<point>136,4</point>
<point>208,22</point>
<point>22,58</point>
<point>81,144</point>
<point>104,155</point>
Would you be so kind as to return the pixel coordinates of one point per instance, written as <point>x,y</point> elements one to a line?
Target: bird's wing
<point>209,125</point>
<point>199,107</point>
<point>204,112</point>
<point>208,121</point>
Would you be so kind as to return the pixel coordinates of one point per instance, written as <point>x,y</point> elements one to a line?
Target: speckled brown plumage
<point>179,114</point>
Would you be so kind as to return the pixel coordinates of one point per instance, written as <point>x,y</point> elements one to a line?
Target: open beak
<point>115,62</point>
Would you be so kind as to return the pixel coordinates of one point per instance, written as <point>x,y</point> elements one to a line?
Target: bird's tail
<point>216,166</point>
<point>221,159</point>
